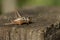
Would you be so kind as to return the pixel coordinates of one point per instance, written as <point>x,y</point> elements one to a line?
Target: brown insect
<point>20,20</point>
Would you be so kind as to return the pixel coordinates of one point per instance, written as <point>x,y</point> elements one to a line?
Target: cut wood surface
<point>42,17</point>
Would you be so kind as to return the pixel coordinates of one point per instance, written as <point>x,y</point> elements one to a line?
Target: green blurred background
<point>39,2</point>
<point>21,3</point>
<point>0,6</point>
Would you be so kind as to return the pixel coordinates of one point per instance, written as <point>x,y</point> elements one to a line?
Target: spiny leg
<point>18,14</point>
<point>17,11</point>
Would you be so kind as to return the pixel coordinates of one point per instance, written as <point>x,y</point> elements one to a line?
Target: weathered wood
<point>42,17</point>
<point>15,33</point>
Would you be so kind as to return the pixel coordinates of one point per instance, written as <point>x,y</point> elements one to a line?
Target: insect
<point>20,20</point>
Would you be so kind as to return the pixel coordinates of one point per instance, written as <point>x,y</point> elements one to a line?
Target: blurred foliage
<point>0,6</point>
<point>21,3</point>
<point>39,2</point>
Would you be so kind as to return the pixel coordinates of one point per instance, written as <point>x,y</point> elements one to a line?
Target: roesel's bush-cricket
<point>20,20</point>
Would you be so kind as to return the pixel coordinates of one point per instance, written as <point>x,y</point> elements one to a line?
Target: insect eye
<point>23,18</point>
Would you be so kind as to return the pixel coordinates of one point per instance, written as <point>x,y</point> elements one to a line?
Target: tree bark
<point>8,6</point>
